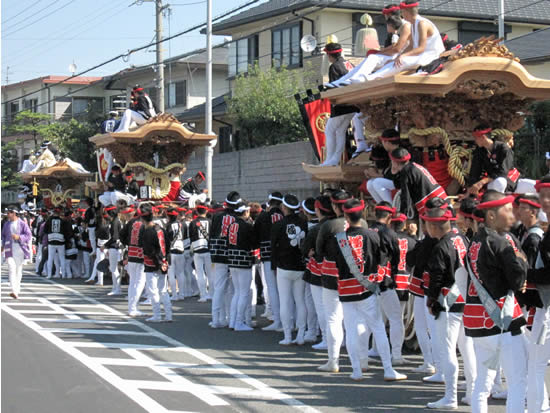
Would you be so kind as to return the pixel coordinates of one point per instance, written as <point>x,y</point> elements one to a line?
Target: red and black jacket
<point>129,236</point>
<point>405,244</point>
<point>541,276</point>
<point>389,247</point>
<point>262,227</point>
<point>496,163</point>
<point>218,235</point>
<point>445,259</point>
<point>365,248</point>
<point>153,242</point>
<point>312,273</point>
<point>419,258</point>
<point>492,258</point>
<point>530,245</point>
<point>417,187</point>
<point>241,243</point>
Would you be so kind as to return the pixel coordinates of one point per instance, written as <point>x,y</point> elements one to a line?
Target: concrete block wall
<point>254,173</point>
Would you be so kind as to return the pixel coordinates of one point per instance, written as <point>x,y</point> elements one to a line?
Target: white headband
<point>242,208</point>
<point>276,198</point>
<point>309,211</point>
<point>233,202</point>
<point>290,205</point>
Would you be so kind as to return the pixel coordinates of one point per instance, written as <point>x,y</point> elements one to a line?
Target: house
<point>185,82</point>
<point>61,97</point>
<point>270,33</point>
<point>534,52</point>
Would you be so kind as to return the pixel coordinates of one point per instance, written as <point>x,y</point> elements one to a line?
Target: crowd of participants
<point>477,275</point>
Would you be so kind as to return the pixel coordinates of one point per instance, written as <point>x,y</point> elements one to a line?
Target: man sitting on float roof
<point>425,47</point>
<point>143,110</point>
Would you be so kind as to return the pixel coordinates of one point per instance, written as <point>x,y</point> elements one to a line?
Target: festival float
<point>58,183</point>
<point>156,152</point>
<point>483,83</point>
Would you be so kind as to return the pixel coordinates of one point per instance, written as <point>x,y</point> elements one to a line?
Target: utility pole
<point>209,153</point>
<point>160,65</point>
<point>7,75</point>
<point>501,19</point>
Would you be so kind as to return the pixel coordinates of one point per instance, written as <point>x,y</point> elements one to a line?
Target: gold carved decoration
<point>152,169</point>
<point>485,46</point>
<point>482,89</point>
<point>321,121</point>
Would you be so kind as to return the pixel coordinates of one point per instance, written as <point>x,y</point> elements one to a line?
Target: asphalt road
<point>69,348</point>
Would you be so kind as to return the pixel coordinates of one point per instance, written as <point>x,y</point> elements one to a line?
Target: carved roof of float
<point>59,171</point>
<point>164,125</point>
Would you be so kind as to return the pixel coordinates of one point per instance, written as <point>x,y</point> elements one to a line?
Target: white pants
<point>158,292</point>
<point>513,359</point>
<point>176,275</point>
<point>524,186</point>
<point>128,117</point>
<point>381,189</point>
<point>15,267</point>
<point>91,236</point>
<point>360,72</point>
<point>264,289</point>
<point>100,256</point>
<point>203,268</point>
<point>391,308</point>
<point>111,198</point>
<point>85,263</point>
<point>221,278</point>
<point>359,128</point>
<point>334,317</point>
<point>57,253</point>
<point>137,283</point>
<point>432,329</point>
<point>539,354</point>
<point>408,63</point>
<point>27,166</point>
<point>448,327</point>
<point>312,322</point>
<point>190,286</point>
<point>114,256</point>
<point>272,291</point>
<point>317,295</point>
<point>291,293</point>
<point>335,136</point>
<point>71,268</point>
<point>466,348</point>
<point>367,312</point>
<point>242,283</point>
<point>421,329</point>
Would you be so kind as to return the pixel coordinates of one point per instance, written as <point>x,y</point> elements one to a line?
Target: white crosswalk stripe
<point>66,307</point>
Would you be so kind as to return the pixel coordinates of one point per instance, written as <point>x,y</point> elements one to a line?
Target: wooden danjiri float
<point>483,83</point>
<point>155,152</point>
<point>58,183</point>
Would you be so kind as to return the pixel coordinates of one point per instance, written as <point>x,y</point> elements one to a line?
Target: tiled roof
<point>79,80</point>
<point>531,46</point>
<point>515,11</point>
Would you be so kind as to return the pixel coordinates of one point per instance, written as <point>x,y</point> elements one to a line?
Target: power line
<point>21,12</point>
<point>32,15</point>
<point>41,18</point>
<point>125,56</point>
<point>68,29</point>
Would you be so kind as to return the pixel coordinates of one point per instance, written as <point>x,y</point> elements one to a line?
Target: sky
<point>43,37</point>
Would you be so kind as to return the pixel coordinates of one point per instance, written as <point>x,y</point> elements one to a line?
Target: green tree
<point>9,164</point>
<point>29,123</point>
<point>264,107</point>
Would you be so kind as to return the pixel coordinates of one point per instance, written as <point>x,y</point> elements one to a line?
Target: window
<point>285,44</point>
<point>83,106</point>
<point>30,104</point>
<point>13,109</point>
<point>152,92</point>
<point>242,53</point>
<point>225,139</point>
<point>63,107</point>
<point>470,31</point>
<point>118,102</point>
<point>176,94</point>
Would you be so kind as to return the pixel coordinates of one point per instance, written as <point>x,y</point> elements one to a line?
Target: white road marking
<point>133,388</point>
